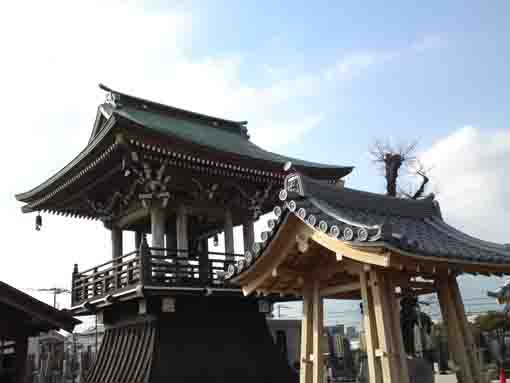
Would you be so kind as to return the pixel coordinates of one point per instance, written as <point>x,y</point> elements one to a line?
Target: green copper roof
<point>215,134</point>
<point>217,138</point>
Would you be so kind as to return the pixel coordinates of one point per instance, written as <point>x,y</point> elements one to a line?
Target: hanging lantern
<point>38,222</point>
<point>215,240</point>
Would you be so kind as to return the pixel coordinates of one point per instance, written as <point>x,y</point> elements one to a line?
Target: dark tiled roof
<point>367,219</point>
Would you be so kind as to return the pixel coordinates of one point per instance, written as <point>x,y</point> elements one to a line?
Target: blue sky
<point>318,81</point>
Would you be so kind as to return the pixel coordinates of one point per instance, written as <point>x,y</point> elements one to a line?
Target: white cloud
<point>470,173</point>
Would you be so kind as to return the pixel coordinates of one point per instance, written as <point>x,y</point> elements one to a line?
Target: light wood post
<point>456,340</point>
<point>465,329</point>
<point>400,357</point>
<point>371,342</point>
<point>305,369</point>
<point>248,235</point>
<point>116,234</point>
<point>385,353</point>
<point>318,363</point>
<point>229,234</point>
<point>182,231</point>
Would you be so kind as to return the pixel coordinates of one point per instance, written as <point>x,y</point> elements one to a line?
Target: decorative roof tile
<point>368,219</point>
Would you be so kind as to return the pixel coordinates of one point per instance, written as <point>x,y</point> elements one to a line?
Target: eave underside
<point>297,254</point>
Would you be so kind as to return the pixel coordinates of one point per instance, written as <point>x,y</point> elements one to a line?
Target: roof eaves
<point>26,196</point>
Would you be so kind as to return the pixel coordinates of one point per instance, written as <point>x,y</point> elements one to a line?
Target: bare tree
<point>392,159</point>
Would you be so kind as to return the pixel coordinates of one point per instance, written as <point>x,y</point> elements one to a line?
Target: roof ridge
<point>239,126</point>
<point>360,199</point>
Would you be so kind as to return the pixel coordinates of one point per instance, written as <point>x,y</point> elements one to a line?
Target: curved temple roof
<point>372,224</point>
<point>216,135</point>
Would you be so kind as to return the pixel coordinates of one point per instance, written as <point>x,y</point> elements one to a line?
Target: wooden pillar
<point>158,227</point>
<point>400,357</point>
<point>203,265</point>
<point>456,340</point>
<point>181,224</point>
<point>171,240</point>
<point>138,239</point>
<point>371,341</point>
<point>248,235</point>
<point>471,349</point>
<point>385,352</point>
<point>21,347</point>
<point>305,369</point>
<point>318,363</point>
<point>229,234</point>
<point>387,361</point>
<point>116,234</point>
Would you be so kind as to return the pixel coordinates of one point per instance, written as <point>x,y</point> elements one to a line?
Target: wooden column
<point>471,349</point>
<point>229,234</point>
<point>181,224</point>
<point>158,227</point>
<point>21,347</point>
<point>371,341</point>
<point>305,369</point>
<point>384,328</point>
<point>457,330</point>
<point>171,239</point>
<point>318,363</point>
<point>204,267</point>
<point>248,235</point>
<point>116,234</point>
<point>399,354</point>
<point>138,239</point>
<point>387,361</point>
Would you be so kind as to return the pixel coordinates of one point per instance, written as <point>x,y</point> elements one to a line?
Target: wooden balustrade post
<point>94,281</point>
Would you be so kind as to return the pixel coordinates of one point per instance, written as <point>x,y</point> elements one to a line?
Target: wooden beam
<point>132,217</point>
<point>372,257</point>
<point>274,255</point>
<point>333,290</point>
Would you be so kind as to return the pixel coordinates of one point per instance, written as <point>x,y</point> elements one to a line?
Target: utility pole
<point>55,291</point>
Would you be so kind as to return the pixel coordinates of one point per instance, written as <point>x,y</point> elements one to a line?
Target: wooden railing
<point>150,267</point>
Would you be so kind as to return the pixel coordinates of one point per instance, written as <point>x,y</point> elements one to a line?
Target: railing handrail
<point>110,261</point>
<point>145,267</point>
<point>116,262</point>
<point>194,251</point>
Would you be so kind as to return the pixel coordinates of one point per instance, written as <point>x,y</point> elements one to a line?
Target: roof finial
<point>287,166</point>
